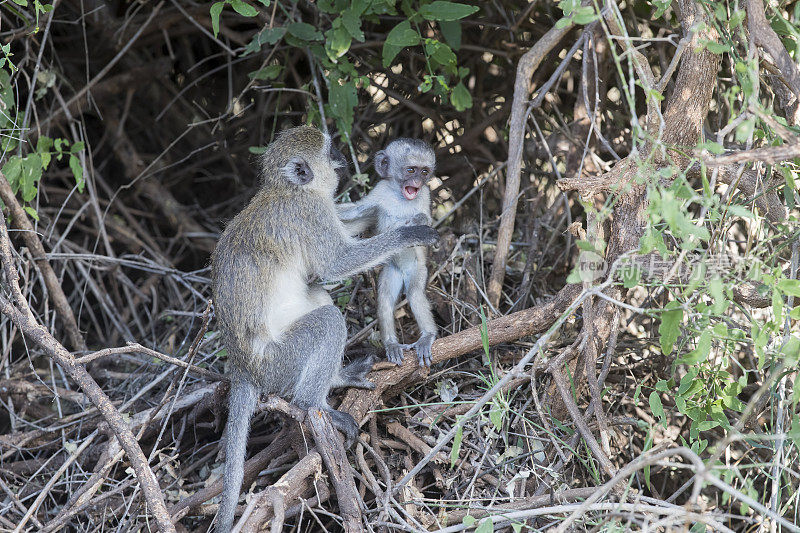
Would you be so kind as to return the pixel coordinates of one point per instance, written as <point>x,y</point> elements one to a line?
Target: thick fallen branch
<point>390,379</point>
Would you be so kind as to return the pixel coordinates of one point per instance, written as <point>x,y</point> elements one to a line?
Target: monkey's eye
<point>410,170</point>
<point>425,171</point>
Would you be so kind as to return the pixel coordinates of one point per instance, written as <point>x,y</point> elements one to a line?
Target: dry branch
<point>288,488</point>
<point>20,314</point>
<point>765,37</point>
<point>329,446</point>
<point>767,154</point>
<point>51,281</point>
<point>528,63</point>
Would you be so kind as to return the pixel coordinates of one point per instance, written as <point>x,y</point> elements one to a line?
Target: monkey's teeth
<point>410,192</point>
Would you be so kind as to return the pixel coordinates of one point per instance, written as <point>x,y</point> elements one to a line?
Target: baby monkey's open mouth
<point>411,190</point>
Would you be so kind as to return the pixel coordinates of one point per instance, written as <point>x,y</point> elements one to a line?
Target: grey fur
<point>282,333</point>
<point>387,208</point>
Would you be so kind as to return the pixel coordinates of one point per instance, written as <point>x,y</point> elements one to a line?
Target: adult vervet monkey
<point>284,335</point>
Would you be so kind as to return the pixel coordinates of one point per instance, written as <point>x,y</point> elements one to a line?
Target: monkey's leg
<point>241,404</point>
<point>390,283</point>
<point>316,341</point>
<point>421,308</point>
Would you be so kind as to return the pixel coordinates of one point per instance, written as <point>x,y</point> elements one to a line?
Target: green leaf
<point>468,520</point>
<point>584,15</point>
<point>460,97</point>
<point>487,526</point>
<point>711,146</point>
<point>717,48</point>
<point>740,211</point>
<point>661,385</point>
<point>304,31</point>
<point>398,38</point>
<point>216,9</point>
<point>267,35</point>
<point>789,286</point>
<point>709,424</point>
<point>563,22</point>
<point>11,170</point>
<point>77,147</point>
<point>44,143</point>
<point>351,20</point>
<point>451,31</point>
<point>656,406</point>
<point>441,53</point>
<point>661,7</point>
<point>77,171</point>
<point>699,354</point>
<point>796,390</point>
<point>441,10</point>
<point>777,307</point>
<point>258,150</point>
<point>669,329</point>
<point>267,73</point>
<point>631,276</point>
<point>32,212</point>
<point>29,176</point>
<point>794,433</point>
<point>496,417</point>
<point>717,292</point>
<point>243,8</point>
<point>456,447</point>
<point>22,3</point>
<point>744,129</point>
<point>484,333</point>
<point>337,42</point>
<point>687,381</point>
<point>792,351</point>
<point>343,99</point>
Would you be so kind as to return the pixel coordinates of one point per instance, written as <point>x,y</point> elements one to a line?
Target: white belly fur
<point>291,299</point>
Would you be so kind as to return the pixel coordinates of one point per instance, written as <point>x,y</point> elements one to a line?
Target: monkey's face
<point>413,178</point>
<point>408,163</point>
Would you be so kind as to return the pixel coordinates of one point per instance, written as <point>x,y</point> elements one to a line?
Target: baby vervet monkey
<point>402,198</point>
<point>283,334</point>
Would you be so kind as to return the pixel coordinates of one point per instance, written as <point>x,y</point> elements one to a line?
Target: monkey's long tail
<point>241,405</point>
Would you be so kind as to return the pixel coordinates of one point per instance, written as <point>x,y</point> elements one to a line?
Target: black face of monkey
<point>414,177</point>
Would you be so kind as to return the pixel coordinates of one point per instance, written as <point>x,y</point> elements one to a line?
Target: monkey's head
<point>408,163</point>
<point>302,157</point>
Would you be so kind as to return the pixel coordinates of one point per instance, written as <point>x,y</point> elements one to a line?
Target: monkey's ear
<point>297,171</point>
<point>382,164</point>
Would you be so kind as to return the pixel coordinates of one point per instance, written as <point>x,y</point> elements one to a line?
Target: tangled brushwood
<point>616,287</point>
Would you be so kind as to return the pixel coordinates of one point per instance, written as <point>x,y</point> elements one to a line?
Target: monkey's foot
<point>345,423</point>
<point>394,352</point>
<point>423,348</point>
<point>355,373</point>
